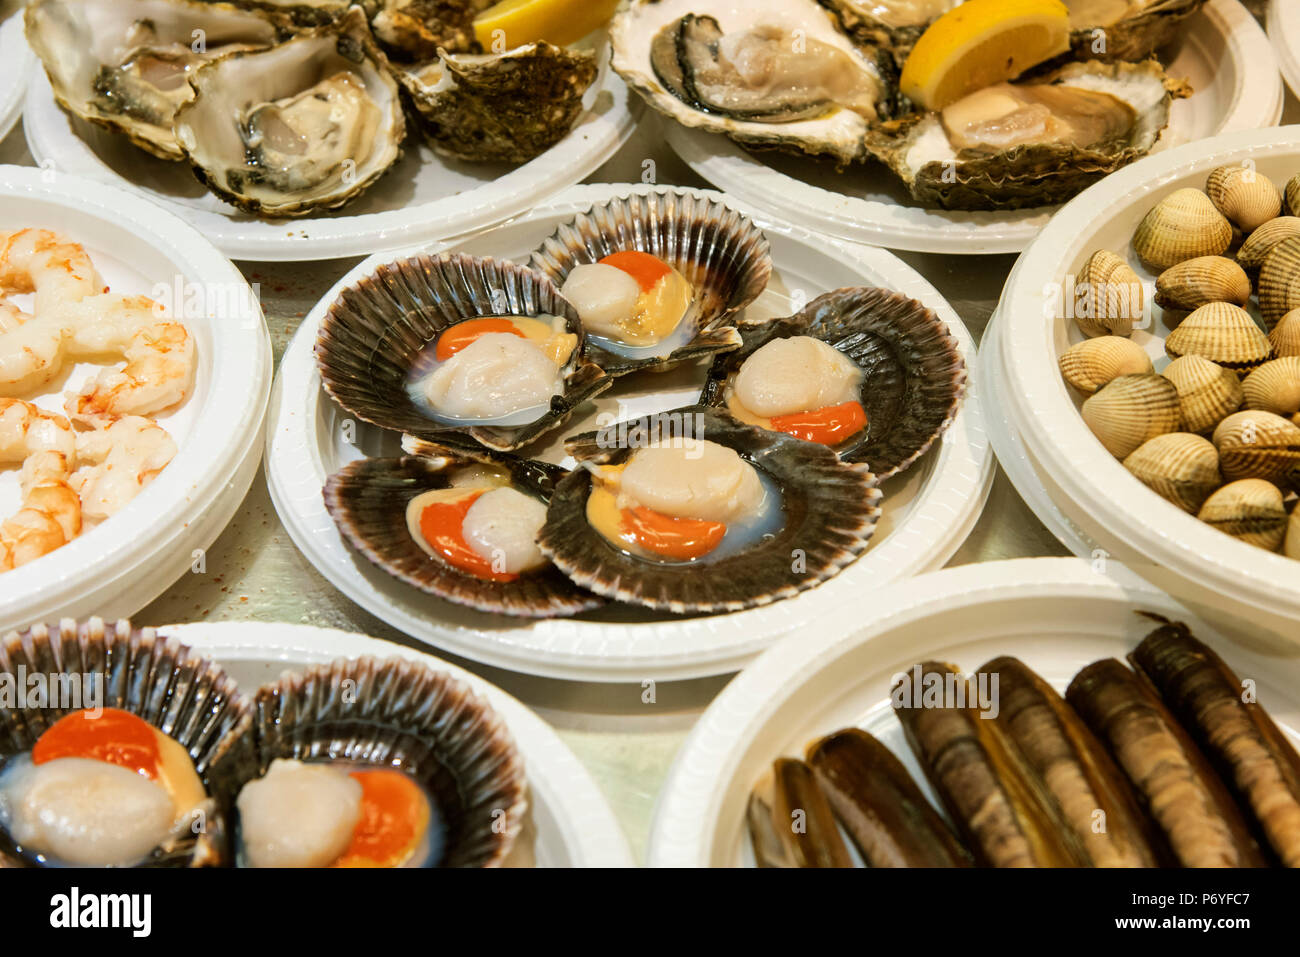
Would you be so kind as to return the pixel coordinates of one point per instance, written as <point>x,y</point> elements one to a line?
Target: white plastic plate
<point>1284,31</point>
<point>15,64</point>
<point>570,824</point>
<point>424,197</point>
<point>1224,54</point>
<point>928,511</point>
<point>1055,614</point>
<point>120,566</point>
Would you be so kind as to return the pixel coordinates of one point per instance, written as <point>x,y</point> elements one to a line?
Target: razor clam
<point>1235,732</point>
<point>1172,778</point>
<point>790,821</point>
<point>1068,764</point>
<point>1001,818</point>
<point>889,819</point>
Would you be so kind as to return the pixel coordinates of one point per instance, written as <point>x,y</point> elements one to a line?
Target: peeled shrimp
<point>51,511</point>
<point>31,350</point>
<point>117,462</point>
<point>58,270</point>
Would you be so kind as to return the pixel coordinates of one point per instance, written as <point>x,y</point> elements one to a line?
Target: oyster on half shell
<point>774,73</point>
<point>1038,143</point>
<point>125,64</point>
<point>418,29</point>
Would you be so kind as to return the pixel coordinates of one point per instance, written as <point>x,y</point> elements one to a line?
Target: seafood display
<point>1164,764</point>
<point>80,467</point>
<point>1216,430</point>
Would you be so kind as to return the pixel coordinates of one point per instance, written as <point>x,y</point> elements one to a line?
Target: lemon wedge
<point>980,43</point>
<point>513,23</point>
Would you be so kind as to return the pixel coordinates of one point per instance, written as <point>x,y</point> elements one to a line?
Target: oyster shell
<point>368,501</point>
<point>307,13</point>
<point>307,125</point>
<point>418,29</point>
<point>1072,127</point>
<point>123,64</point>
<point>1125,29</point>
<point>802,85</point>
<point>828,511</point>
<point>892,25</point>
<point>720,252</point>
<point>507,107</point>
<point>372,338</point>
<point>914,377</point>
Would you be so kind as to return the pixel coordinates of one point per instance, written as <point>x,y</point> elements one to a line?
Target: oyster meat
<point>766,73</point>
<point>125,64</point>
<point>1030,144</point>
<point>307,125</point>
<point>507,107</point>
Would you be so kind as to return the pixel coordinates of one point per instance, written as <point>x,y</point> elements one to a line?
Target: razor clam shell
<point>830,511</point>
<point>790,820</point>
<point>374,331</point>
<point>1254,758</point>
<point>914,376</point>
<point>719,251</point>
<point>160,680</point>
<point>1070,766</point>
<point>367,500</point>
<point>398,714</point>
<point>889,819</point>
<point>1171,777</point>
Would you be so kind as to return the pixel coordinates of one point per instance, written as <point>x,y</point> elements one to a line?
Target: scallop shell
<point>1206,392</point>
<point>1131,409</point>
<point>1222,333</point>
<point>1108,296</point>
<point>1285,336</point>
<point>375,330</point>
<point>1275,386</point>
<point>830,510</point>
<point>158,679</point>
<point>367,500</point>
<point>914,376</point>
<point>395,713</point>
<point>1183,225</point>
<point>1258,244</point>
<point>1291,193</point>
<point>1194,282</point>
<point>1243,195</point>
<point>1180,467</point>
<point>721,253</point>
<point>1260,445</point>
<point>1250,510</point>
<point>1090,364</point>
<point>1279,281</point>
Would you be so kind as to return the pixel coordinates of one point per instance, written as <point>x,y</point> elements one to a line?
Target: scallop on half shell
<point>793,514</point>
<point>378,344</point>
<point>913,376</point>
<point>371,500</point>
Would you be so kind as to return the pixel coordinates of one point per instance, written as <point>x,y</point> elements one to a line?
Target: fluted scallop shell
<point>1291,195</point>
<point>1242,194</point>
<point>1250,510</point>
<point>830,509</point>
<point>914,376</point>
<point>1207,392</point>
<point>1279,281</point>
<point>397,714</point>
<point>1254,444</point>
<point>1221,332</point>
<point>367,500</point>
<point>180,693</point>
<point>1090,364</point>
<point>1107,295</point>
<point>722,254</point>
<point>1181,226</point>
<point>1274,386</point>
<point>1131,409</point>
<point>1180,467</point>
<point>1250,256</point>
<point>1194,282</point>
<point>1285,336</point>
<point>375,330</point>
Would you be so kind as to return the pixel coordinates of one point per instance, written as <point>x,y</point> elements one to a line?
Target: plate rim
<point>15,66</point>
<point>1284,31</point>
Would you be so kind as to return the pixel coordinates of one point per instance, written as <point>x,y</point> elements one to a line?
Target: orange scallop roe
<point>394,819</point>
<point>677,538</point>
<point>646,269</point>
<point>462,334</point>
<point>829,425</point>
<point>111,735</point>
<point>442,523</point>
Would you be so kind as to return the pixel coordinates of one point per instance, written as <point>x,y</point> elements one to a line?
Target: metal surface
<point>625,734</point>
